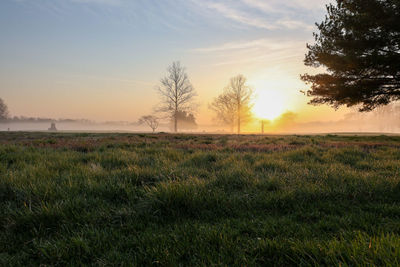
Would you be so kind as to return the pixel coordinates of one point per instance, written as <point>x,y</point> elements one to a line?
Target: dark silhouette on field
<point>53,127</point>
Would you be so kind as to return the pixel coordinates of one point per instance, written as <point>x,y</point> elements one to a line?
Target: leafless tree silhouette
<point>241,95</point>
<point>224,108</point>
<point>3,110</point>
<point>151,121</point>
<point>176,92</point>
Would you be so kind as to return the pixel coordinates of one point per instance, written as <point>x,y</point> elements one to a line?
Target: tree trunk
<point>176,121</point>
<point>238,119</point>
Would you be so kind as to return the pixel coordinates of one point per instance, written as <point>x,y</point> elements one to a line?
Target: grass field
<point>135,199</point>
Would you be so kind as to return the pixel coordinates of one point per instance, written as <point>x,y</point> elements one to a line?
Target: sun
<point>269,104</point>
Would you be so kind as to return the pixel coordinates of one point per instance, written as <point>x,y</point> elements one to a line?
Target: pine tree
<point>359,46</point>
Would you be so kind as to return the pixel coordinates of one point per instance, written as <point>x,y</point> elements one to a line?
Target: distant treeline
<point>45,120</point>
<point>24,119</point>
<point>188,121</point>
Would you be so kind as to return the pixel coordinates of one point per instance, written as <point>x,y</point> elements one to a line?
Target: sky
<point>102,59</point>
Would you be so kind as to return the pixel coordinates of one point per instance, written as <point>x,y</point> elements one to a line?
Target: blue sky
<point>101,59</point>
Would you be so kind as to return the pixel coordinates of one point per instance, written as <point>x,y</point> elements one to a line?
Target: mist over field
<point>383,120</point>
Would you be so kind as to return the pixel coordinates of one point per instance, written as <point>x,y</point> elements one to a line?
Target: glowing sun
<point>269,104</point>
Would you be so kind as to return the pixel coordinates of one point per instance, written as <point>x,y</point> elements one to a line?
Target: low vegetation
<point>106,199</point>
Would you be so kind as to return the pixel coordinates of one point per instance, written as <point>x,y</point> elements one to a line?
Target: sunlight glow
<point>269,104</point>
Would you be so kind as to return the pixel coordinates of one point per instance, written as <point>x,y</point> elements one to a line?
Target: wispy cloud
<point>308,4</point>
<point>265,6</point>
<point>264,43</point>
<point>279,6</point>
<point>277,51</point>
<point>269,15</point>
<point>294,24</point>
<point>239,16</point>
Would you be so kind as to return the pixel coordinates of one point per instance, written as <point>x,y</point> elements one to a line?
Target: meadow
<point>199,200</point>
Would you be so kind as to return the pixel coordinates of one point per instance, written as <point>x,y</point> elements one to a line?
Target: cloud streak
<point>268,15</point>
<point>264,43</point>
<point>273,51</point>
<point>240,17</point>
<point>279,6</point>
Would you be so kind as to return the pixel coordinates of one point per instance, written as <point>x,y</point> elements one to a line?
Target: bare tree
<point>176,92</point>
<point>3,110</point>
<point>224,108</point>
<point>151,121</point>
<point>241,95</point>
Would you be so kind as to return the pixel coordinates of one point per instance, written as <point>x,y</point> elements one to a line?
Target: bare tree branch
<point>234,104</point>
<point>3,110</point>
<point>151,121</point>
<point>176,93</point>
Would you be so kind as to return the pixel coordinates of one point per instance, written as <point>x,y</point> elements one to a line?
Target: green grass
<point>125,199</point>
